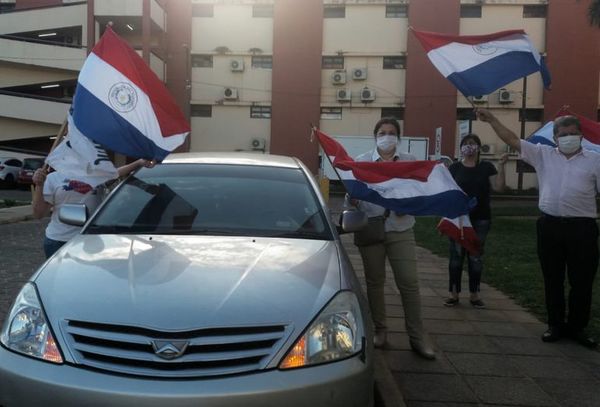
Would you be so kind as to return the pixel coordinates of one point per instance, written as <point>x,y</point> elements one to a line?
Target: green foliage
<point>7,203</point>
<point>510,262</point>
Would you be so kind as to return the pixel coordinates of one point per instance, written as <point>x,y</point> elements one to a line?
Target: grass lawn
<point>510,261</point>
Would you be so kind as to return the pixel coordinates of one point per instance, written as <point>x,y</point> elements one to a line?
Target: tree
<point>594,12</point>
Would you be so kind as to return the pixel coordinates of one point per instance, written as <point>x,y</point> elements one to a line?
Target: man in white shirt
<point>567,233</point>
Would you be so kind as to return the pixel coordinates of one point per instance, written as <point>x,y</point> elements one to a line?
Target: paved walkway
<point>491,357</point>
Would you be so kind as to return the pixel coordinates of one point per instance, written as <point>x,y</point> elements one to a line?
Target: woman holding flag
<point>476,178</point>
<point>398,247</point>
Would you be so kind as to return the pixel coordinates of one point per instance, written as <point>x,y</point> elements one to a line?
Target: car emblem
<point>169,349</point>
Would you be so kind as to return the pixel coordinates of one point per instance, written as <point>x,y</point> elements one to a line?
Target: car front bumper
<point>29,382</point>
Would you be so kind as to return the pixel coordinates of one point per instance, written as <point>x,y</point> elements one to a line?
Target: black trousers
<point>568,245</point>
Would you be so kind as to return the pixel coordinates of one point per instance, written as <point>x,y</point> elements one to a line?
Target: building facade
<point>256,74</point>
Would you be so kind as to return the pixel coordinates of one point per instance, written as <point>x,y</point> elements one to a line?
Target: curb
<point>386,388</point>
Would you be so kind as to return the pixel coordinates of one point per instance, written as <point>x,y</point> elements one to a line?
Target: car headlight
<point>26,329</point>
<point>337,333</point>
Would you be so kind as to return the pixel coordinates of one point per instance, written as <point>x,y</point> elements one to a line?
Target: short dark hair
<point>471,136</point>
<point>387,120</point>
<point>565,121</point>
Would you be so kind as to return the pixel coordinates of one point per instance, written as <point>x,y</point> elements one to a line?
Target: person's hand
<point>484,115</point>
<point>148,163</point>
<point>503,159</point>
<point>39,177</point>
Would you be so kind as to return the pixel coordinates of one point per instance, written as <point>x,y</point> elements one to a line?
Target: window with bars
<point>201,111</point>
<point>394,62</point>
<point>396,11</point>
<point>262,61</point>
<point>330,62</point>
<point>393,112</point>
<point>331,113</point>
<point>202,10</point>
<point>466,114</point>
<point>334,11</point>
<point>260,112</point>
<point>532,115</point>
<point>262,10</point>
<point>470,11</point>
<point>202,61</point>
<point>535,11</point>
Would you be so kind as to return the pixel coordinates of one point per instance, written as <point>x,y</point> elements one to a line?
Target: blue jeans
<point>475,263</point>
<point>51,246</point>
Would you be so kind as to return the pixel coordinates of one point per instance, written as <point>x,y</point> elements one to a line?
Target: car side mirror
<point>352,221</point>
<point>73,214</point>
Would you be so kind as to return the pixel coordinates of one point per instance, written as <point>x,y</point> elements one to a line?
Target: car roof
<point>234,158</point>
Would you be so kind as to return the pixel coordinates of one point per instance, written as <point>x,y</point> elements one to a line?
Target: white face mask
<point>387,142</point>
<point>569,144</point>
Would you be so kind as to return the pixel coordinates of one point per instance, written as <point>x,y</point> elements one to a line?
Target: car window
<point>32,163</point>
<point>214,199</point>
<point>13,162</point>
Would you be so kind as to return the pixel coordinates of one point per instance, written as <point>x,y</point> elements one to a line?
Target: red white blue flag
<point>123,106</point>
<point>479,64</point>
<point>416,188</point>
<point>461,231</point>
<point>589,128</point>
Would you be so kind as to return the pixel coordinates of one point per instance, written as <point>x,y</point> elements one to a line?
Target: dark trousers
<point>568,245</point>
<point>474,263</point>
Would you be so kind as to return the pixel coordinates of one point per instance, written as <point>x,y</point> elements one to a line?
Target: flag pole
<point>312,133</point>
<point>523,118</point>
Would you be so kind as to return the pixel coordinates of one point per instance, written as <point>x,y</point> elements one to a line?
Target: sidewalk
<point>492,356</point>
<point>15,214</point>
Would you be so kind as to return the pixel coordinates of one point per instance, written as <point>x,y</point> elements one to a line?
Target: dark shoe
<point>583,339</point>
<point>451,302</point>
<point>380,338</point>
<point>552,334</point>
<point>477,304</point>
<point>421,349</point>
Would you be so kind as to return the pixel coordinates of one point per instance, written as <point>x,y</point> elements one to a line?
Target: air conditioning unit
<point>367,95</point>
<point>480,99</point>
<point>359,74</point>
<point>338,77</point>
<point>236,65</point>
<point>230,93</point>
<point>343,95</point>
<point>488,149</point>
<point>504,96</point>
<point>258,144</point>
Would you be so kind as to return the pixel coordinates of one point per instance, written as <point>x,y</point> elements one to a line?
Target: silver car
<point>208,280</point>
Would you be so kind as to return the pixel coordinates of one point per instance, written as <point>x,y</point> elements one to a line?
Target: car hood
<point>189,282</point>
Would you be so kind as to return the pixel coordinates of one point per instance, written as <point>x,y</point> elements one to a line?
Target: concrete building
<point>255,74</point>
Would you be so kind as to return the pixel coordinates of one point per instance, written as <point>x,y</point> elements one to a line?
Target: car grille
<point>208,352</point>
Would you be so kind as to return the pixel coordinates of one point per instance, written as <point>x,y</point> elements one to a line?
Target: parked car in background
<point>9,170</point>
<point>213,279</point>
<point>29,167</point>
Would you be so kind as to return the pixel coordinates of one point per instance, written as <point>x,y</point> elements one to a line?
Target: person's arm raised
<point>501,130</point>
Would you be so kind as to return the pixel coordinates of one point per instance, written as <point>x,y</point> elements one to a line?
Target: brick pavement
<point>492,357</point>
<point>21,254</point>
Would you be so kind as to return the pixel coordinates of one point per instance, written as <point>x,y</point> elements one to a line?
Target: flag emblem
<point>485,49</point>
<point>122,97</point>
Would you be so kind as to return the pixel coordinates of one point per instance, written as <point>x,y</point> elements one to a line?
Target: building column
<point>296,83</point>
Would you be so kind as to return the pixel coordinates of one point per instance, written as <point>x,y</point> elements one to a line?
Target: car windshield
<point>214,199</point>
<point>32,164</point>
